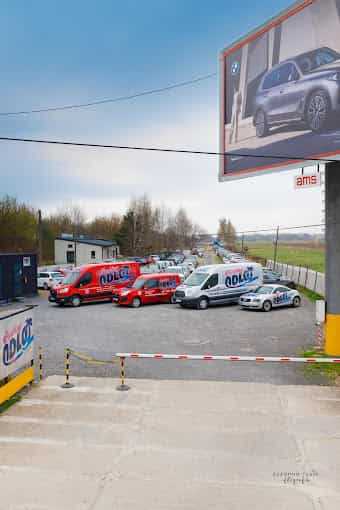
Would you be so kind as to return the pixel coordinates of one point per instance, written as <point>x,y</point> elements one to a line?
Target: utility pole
<point>40,248</point>
<point>75,233</point>
<point>275,246</point>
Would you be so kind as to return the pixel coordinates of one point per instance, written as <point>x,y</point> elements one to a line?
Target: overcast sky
<point>61,52</point>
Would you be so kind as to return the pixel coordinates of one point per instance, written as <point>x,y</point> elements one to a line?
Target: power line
<point>281,228</point>
<point>267,229</point>
<point>111,100</point>
<point>163,149</point>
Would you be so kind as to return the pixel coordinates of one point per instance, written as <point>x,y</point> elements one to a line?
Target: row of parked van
<point>124,283</point>
<point>98,282</point>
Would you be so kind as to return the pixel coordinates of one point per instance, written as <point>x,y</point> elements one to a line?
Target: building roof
<point>85,240</point>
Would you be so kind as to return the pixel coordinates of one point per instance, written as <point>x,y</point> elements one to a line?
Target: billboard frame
<point>264,169</point>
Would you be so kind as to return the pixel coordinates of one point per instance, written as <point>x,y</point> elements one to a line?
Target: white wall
<point>83,252</point>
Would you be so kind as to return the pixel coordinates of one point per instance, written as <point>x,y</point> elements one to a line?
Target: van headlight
<point>63,291</point>
<point>189,292</point>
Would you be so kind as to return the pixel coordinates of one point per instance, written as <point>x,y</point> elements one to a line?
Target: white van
<point>218,284</point>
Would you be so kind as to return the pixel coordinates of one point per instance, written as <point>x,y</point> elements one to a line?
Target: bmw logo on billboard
<point>235,68</point>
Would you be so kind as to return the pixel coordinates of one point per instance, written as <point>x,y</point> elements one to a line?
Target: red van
<point>148,289</point>
<point>94,282</point>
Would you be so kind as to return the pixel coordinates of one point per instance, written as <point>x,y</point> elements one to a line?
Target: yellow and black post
<point>40,365</point>
<point>332,200</point>
<point>122,386</point>
<point>32,366</point>
<point>67,383</point>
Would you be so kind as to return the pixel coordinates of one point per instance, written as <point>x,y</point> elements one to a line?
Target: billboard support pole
<point>332,205</point>
<point>275,246</point>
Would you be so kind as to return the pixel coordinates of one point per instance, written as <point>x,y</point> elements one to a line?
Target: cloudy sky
<point>60,52</point>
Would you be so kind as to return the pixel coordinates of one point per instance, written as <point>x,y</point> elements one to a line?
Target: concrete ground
<point>102,329</point>
<point>171,445</point>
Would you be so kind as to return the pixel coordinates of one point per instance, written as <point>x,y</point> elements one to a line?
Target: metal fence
<point>308,278</point>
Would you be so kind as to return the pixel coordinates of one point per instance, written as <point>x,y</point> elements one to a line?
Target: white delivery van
<point>218,284</point>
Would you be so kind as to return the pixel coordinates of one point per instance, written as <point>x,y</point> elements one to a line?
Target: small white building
<point>82,250</point>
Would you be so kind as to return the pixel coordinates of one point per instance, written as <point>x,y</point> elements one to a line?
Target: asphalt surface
<point>102,329</point>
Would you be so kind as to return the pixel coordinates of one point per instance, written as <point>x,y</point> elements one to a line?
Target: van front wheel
<point>75,301</point>
<point>203,303</point>
<point>136,302</point>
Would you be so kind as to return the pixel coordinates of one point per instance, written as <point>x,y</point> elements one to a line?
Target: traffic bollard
<point>67,383</point>
<point>122,386</point>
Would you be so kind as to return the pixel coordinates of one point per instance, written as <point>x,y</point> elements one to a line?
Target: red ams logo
<point>306,181</point>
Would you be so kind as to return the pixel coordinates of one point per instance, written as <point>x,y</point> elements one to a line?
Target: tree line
<point>142,229</point>
<point>227,233</point>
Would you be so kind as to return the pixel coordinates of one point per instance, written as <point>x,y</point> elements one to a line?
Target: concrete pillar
<point>332,177</point>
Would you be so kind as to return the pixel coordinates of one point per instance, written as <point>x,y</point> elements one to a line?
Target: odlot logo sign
<point>16,342</point>
<point>240,278</point>
<point>116,276</point>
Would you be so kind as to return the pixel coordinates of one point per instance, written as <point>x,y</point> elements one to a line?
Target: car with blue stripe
<point>267,297</point>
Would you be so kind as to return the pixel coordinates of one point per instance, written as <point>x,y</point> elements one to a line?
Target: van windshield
<point>139,283</point>
<point>72,277</point>
<point>196,279</point>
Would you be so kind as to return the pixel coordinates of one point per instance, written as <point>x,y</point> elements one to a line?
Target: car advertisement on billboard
<point>280,92</point>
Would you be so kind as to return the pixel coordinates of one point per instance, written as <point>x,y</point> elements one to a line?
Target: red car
<point>148,289</point>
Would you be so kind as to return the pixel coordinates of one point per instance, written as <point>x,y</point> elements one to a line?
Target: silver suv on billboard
<point>304,88</point>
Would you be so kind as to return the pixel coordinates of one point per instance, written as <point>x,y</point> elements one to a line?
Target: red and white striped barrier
<point>208,357</point>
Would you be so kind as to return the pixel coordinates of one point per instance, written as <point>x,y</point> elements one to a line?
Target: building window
<point>93,254</point>
<point>70,257</point>
<point>70,245</point>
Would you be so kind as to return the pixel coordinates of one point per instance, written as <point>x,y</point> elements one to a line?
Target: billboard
<point>16,341</point>
<point>280,93</point>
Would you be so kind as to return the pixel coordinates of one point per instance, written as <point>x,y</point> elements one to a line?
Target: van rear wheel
<point>75,301</point>
<point>203,303</point>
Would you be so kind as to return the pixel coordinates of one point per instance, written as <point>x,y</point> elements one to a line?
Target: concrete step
<point>170,444</point>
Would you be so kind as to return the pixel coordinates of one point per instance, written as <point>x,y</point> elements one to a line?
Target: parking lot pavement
<point>102,329</point>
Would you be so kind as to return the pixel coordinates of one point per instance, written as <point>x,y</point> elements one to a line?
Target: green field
<point>296,255</point>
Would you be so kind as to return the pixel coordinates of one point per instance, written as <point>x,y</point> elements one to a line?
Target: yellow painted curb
<point>12,387</point>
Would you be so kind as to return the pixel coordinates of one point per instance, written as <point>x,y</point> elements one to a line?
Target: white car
<point>181,271</point>
<point>47,279</point>
<point>267,297</point>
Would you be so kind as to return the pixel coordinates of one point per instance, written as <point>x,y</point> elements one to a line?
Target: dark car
<point>271,277</point>
<point>304,88</point>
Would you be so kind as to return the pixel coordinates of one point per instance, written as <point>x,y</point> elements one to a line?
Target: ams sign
<point>307,181</point>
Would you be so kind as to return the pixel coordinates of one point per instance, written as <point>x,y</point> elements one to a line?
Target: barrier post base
<point>123,387</point>
<point>67,385</point>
